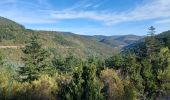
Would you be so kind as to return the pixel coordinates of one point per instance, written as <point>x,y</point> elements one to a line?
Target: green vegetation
<point>45,72</point>
<point>116,41</point>
<point>35,61</point>
<point>60,43</point>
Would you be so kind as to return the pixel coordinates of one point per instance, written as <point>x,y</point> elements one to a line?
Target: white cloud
<point>164,21</point>
<point>155,9</point>
<point>158,10</point>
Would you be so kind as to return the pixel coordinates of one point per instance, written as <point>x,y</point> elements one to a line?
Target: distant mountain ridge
<point>60,43</point>
<point>139,47</point>
<point>7,23</point>
<point>117,40</point>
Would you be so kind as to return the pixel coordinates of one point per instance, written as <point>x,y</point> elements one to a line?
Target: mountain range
<point>60,43</point>
<point>117,41</point>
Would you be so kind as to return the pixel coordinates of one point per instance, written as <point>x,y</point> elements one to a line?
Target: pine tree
<point>92,87</point>
<point>131,69</point>
<point>36,61</point>
<point>114,61</point>
<point>152,44</point>
<point>66,65</point>
<point>74,90</point>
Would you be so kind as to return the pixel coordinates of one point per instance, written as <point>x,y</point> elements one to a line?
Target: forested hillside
<point>62,43</point>
<point>116,41</point>
<point>65,66</point>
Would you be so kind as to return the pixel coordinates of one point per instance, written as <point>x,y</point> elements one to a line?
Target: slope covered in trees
<point>116,41</point>
<point>64,43</point>
<point>141,73</point>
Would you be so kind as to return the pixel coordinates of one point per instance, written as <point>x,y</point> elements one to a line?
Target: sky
<point>90,17</point>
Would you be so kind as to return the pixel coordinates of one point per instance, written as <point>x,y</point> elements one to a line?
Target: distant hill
<point>165,34</point>
<point>164,38</point>
<point>7,23</point>
<point>139,47</point>
<point>59,43</point>
<point>116,41</point>
<point>13,34</point>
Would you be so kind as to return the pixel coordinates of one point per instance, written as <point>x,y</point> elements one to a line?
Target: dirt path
<point>18,47</point>
<point>11,47</point>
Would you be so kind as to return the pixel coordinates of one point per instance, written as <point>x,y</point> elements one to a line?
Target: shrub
<point>44,88</point>
<point>113,85</point>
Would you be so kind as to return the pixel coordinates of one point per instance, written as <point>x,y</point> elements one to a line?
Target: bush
<point>113,85</point>
<point>44,88</point>
<point>4,83</point>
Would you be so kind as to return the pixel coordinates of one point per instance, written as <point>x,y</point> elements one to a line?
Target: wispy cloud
<point>158,10</point>
<point>163,21</point>
<point>28,13</point>
<point>155,9</point>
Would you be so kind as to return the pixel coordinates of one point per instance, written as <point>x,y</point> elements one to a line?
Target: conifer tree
<point>152,44</point>
<point>36,61</point>
<point>92,87</point>
<point>74,90</point>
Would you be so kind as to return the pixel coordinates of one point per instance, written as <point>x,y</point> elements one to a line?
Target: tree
<point>113,85</point>
<point>148,77</point>
<point>36,61</point>
<point>66,65</point>
<point>59,64</point>
<point>155,74</point>
<point>74,90</point>
<point>84,84</point>
<point>129,91</point>
<point>152,44</point>
<point>131,69</point>
<point>151,31</point>
<point>115,61</point>
<point>163,72</point>
<point>91,86</point>
<point>167,42</point>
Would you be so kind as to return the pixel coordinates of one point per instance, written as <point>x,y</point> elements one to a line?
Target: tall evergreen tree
<point>74,90</point>
<point>84,85</point>
<point>66,65</point>
<point>92,87</point>
<point>36,61</point>
<point>152,44</point>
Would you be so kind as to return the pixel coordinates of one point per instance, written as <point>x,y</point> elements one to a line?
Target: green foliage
<point>67,64</point>
<point>141,73</point>
<point>114,61</point>
<point>61,40</point>
<point>6,34</point>
<point>36,61</point>
<point>4,83</point>
<point>63,83</point>
<point>144,67</point>
<point>84,85</point>
<point>113,85</point>
<point>44,88</point>
<point>116,41</point>
<point>129,91</point>
<point>92,87</point>
<point>74,89</point>
<point>152,43</point>
<point>1,59</point>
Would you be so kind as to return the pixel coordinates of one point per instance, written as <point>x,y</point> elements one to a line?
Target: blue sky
<point>90,17</point>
